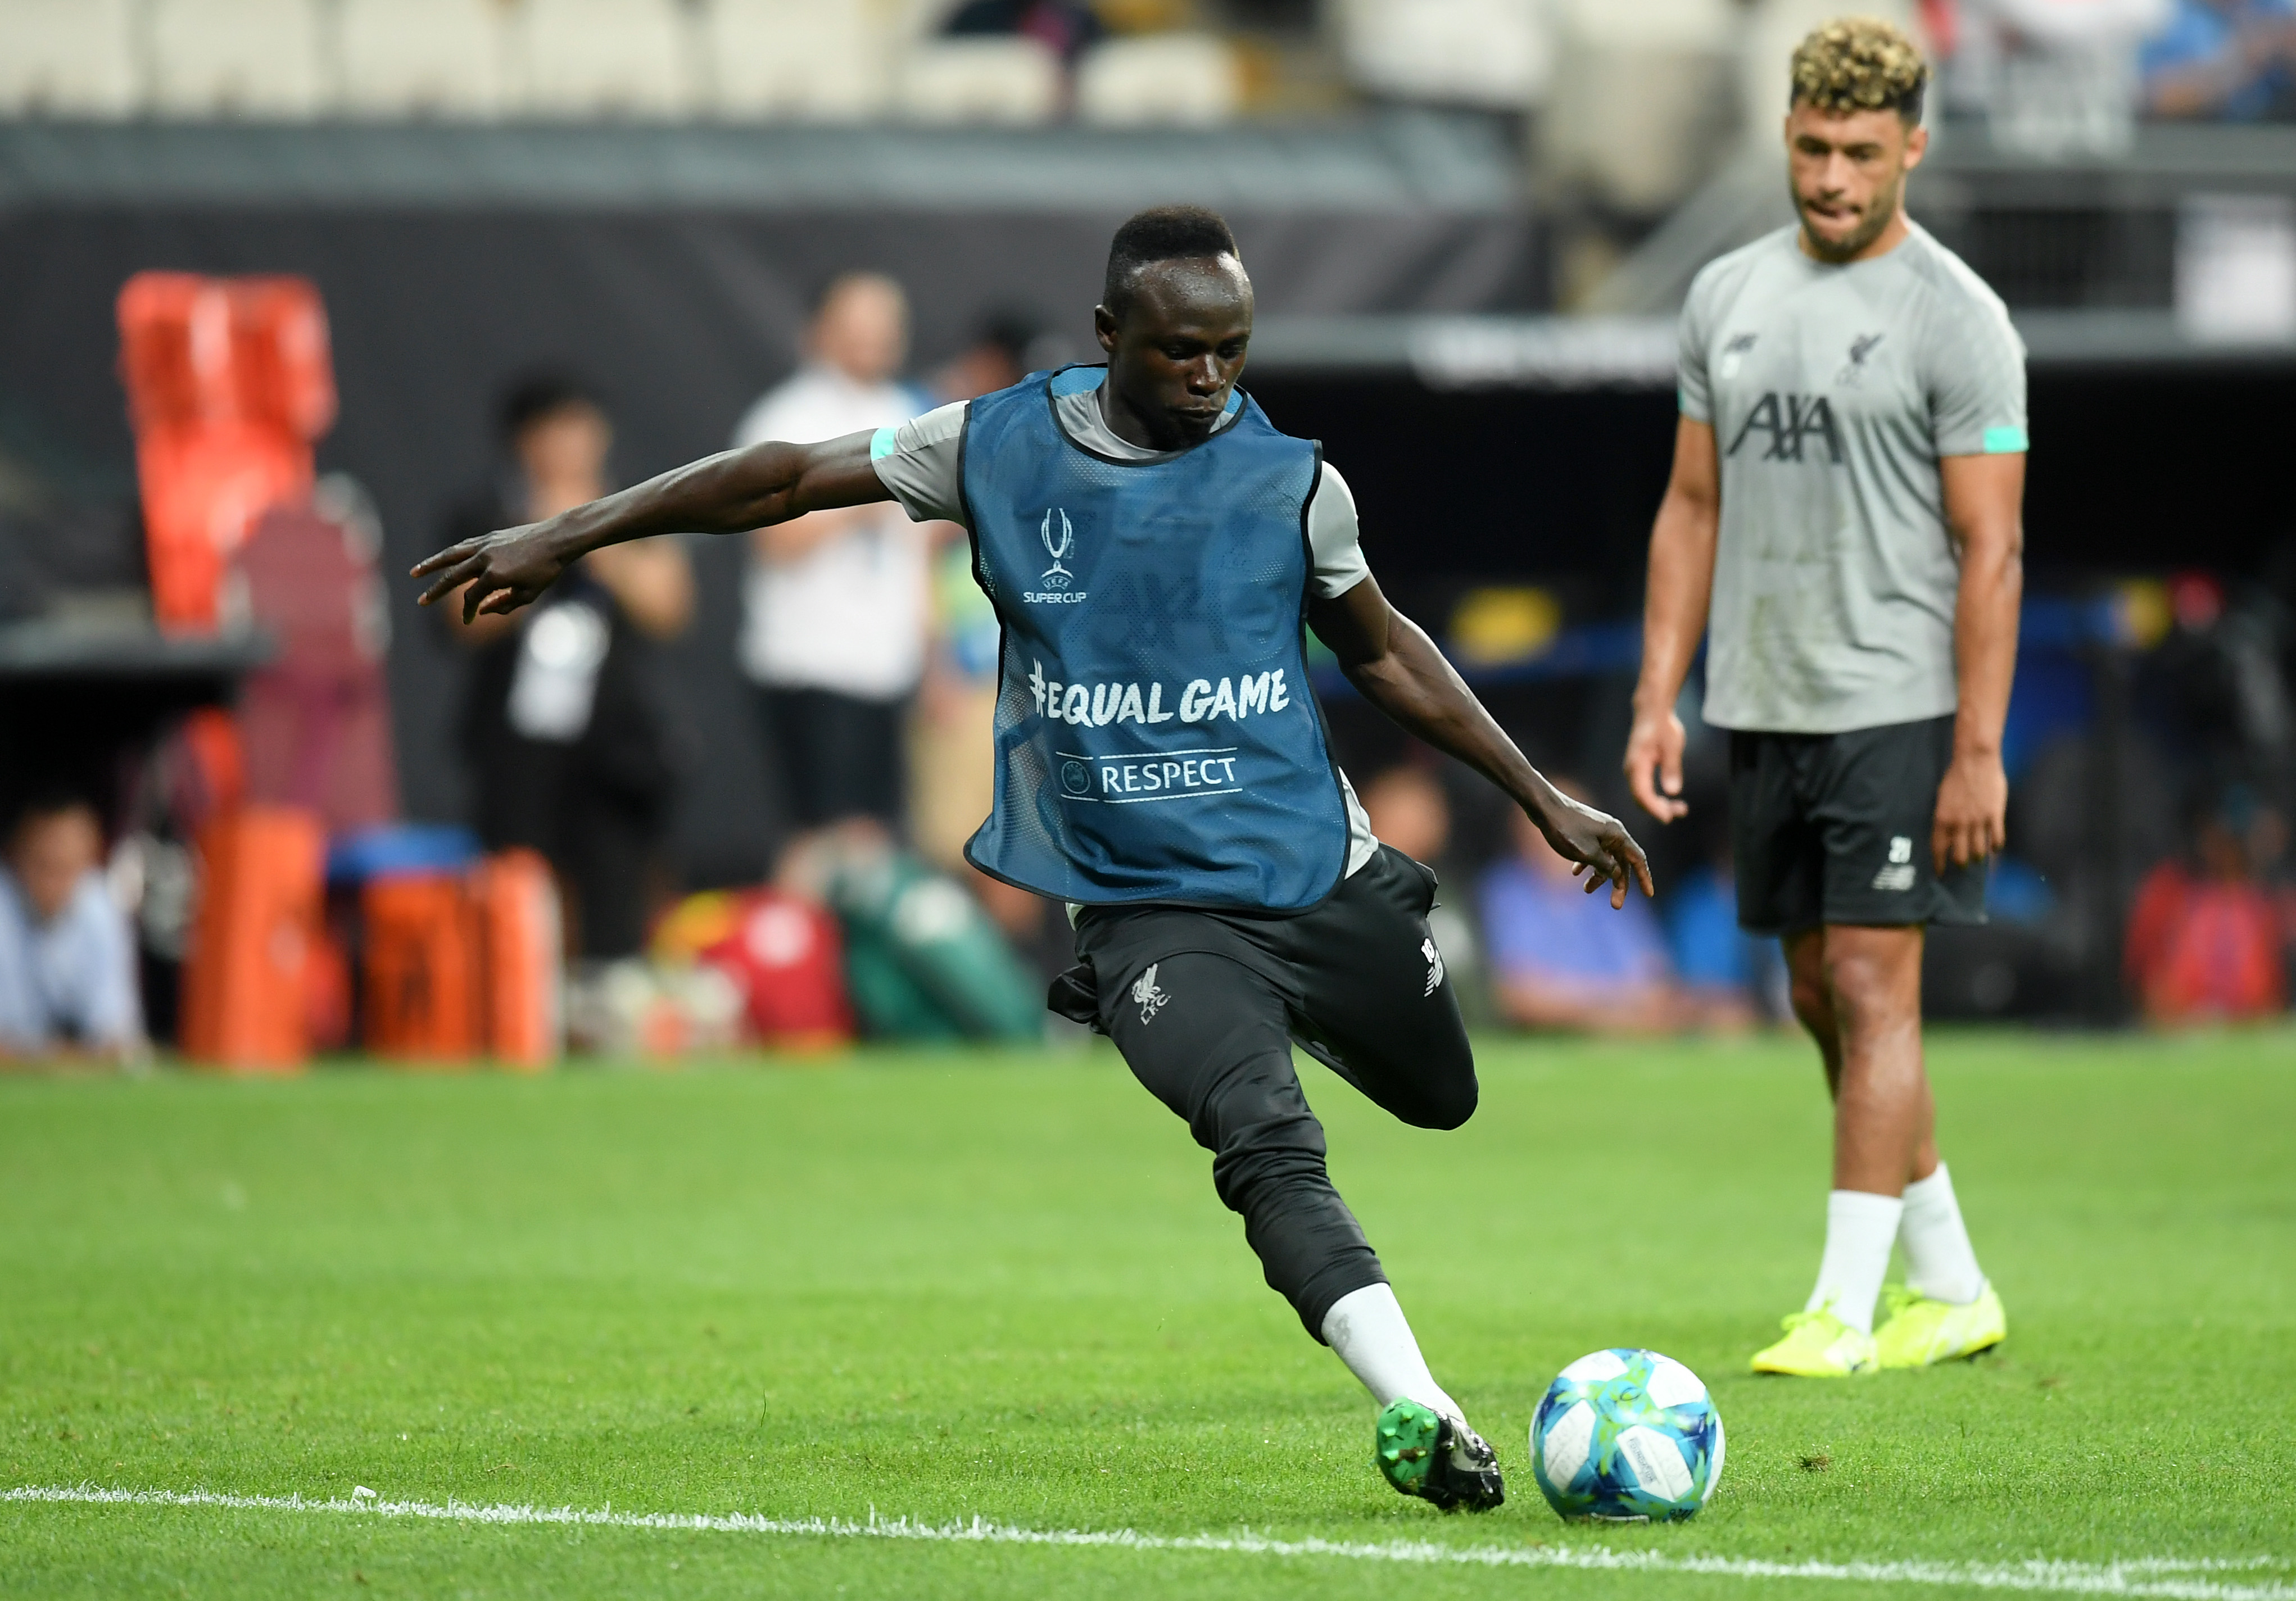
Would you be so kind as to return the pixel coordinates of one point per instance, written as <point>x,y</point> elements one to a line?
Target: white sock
<point>1859,1231</point>
<point>1366,1330</point>
<point>1939,1261</point>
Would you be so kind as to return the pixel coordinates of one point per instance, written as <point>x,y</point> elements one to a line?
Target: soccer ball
<point>1627,1437</point>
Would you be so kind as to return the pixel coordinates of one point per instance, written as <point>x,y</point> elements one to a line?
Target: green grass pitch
<point>947,1287</point>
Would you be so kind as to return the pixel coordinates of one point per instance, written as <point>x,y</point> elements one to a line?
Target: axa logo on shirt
<point>1788,422</point>
<point>1096,706</point>
<point>1059,585</point>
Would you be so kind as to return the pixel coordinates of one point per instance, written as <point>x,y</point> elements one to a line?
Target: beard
<point>1878,213</point>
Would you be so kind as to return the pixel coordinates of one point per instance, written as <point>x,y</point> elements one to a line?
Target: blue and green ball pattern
<point>1627,1437</point>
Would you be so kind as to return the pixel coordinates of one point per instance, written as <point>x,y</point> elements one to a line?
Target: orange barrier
<point>421,979</point>
<point>262,870</point>
<point>519,945</point>
<point>229,380</point>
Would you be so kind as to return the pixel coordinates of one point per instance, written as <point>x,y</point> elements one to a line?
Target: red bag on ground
<point>786,955</point>
<point>2200,948</point>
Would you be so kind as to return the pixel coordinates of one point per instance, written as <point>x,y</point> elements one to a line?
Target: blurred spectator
<point>2055,78</point>
<point>1725,973</point>
<point>836,602</point>
<point>997,358</point>
<point>2206,941</point>
<point>1563,959</point>
<point>2229,59</point>
<point>568,737</point>
<point>1408,810</point>
<point>66,959</point>
<point>1066,27</point>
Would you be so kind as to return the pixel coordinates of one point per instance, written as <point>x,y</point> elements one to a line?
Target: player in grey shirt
<point>1843,524</point>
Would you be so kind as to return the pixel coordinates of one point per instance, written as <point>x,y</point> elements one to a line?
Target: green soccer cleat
<point>1921,1330</point>
<point>1437,1458</point>
<point>1818,1345</point>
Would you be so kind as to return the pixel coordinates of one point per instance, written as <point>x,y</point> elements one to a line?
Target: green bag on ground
<point>923,961</point>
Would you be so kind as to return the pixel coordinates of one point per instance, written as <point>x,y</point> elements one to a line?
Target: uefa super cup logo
<point>1057,576</point>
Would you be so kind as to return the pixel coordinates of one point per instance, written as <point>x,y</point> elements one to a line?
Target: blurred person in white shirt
<point>2054,78</point>
<point>67,958</point>
<point>836,604</point>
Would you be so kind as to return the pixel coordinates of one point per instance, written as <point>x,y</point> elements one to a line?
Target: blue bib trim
<point>1156,738</point>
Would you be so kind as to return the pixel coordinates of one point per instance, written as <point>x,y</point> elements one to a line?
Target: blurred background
<point>297,290</point>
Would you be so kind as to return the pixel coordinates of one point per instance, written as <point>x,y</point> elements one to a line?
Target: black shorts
<point>836,757</point>
<point>1206,1008</point>
<point>1836,828</point>
<point>1363,988</point>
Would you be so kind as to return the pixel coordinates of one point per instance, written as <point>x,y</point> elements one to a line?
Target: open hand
<point>1654,764</point>
<point>1599,843</point>
<point>1972,811</point>
<point>504,570</point>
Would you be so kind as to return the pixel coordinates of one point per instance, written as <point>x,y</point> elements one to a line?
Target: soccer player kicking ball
<point>1153,544</point>
<point>1843,516</point>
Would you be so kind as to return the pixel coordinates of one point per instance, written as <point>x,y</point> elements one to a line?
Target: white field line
<point>2187,1580</point>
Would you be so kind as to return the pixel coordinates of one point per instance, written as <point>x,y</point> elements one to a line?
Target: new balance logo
<point>1149,998</point>
<point>1900,873</point>
<point>1434,966</point>
<point>1788,422</point>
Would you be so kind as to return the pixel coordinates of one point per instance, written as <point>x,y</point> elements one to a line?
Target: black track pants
<point>1205,1008</point>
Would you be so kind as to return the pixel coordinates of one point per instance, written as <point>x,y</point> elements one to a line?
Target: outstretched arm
<point>1391,659</point>
<point>729,492</point>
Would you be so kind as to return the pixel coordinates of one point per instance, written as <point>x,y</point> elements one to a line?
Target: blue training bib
<point>1156,737</point>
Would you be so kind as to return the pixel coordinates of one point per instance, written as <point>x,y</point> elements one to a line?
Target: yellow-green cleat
<point>1437,1458</point>
<point>1921,1330</point>
<point>1818,1345</point>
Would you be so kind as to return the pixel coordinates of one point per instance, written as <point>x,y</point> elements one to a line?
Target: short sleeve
<point>1976,382</point>
<point>1691,393</point>
<point>110,1013</point>
<point>1334,537</point>
<point>21,1028</point>
<point>921,463</point>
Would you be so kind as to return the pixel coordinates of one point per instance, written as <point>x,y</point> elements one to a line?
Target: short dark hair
<point>44,798</point>
<point>534,395</point>
<point>1161,234</point>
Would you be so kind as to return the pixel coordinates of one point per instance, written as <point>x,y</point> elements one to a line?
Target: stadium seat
<point>1767,32</point>
<point>797,59</point>
<point>235,58</point>
<point>1497,53</point>
<point>604,58</point>
<point>1642,102</point>
<point>1170,77</point>
<point>68,58</point>
<point>1012,81</point>
<point>423,58</point>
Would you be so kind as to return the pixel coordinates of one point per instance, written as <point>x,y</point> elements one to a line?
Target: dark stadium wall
<point>683,319</point>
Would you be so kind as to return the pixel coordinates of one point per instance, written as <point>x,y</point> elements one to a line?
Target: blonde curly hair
<point>1860,64</point>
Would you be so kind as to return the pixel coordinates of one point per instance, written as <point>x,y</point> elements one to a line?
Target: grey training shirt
<point>918,462</point>
<point>1832,392</point>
